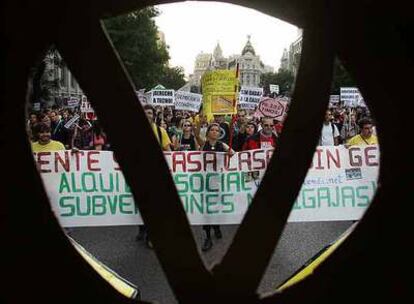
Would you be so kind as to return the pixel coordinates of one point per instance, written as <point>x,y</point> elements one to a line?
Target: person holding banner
<point>263,139</point>
<point>249,130</point>
<point>215,145</point>
<point>366,136</point>
<point>186,140</point>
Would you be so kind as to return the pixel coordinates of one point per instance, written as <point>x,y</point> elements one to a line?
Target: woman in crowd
<point>99,141</point>
<point>186,141</point>
<point>215,145</point>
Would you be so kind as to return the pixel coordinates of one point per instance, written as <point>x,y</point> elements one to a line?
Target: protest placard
<point>334,100</point>
<point>73,102</point>
<point>249,97</point>
<point>274,88</point>
<point>71,121</point>
<point>219,92</point>
<point>86,107</point>
<point>162,97</point>
<point>187,101</point>
<point>272,107</point>
<point>36,106</point>
<point>88,188</point>
<point>350,96</point>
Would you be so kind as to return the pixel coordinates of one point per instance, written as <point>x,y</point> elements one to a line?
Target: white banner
<point>334,100</point>
<point>88,188</point>
<point>249,97</point>
<point>274,88</point>
<point>162,97</point>
<point>187,101</point>
<point>71,121</point>
<point>350,96</point>
<point>73,102</point>
<point>36,106</point>
<point>86,106</point>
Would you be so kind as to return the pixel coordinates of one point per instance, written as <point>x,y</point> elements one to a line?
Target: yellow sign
<point>219,92</point>
<point>222,104</point>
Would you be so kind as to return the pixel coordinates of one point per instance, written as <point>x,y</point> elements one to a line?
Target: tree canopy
<point>341,78</point>
<point>145,56</point>
<point>283,78</point>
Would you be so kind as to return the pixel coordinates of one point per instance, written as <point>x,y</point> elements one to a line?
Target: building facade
<point>250,66</point>
<point>66,86</point>
<point>291,58</point>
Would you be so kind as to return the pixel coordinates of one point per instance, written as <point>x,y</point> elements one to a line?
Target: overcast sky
<point>192,27</point>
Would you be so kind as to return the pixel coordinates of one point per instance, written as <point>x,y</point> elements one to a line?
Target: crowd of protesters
<point>186,131</point>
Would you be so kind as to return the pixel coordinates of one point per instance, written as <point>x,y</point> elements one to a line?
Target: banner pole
<point>234,116</point>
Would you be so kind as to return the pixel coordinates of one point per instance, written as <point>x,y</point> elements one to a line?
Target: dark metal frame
<point>372,41</point>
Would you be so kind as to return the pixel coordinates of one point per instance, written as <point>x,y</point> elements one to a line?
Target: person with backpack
<point>330,134</point>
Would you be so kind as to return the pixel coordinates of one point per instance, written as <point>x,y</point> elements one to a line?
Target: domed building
<point>250,65</point>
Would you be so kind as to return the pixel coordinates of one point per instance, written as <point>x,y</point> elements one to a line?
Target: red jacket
<point>253,142</point>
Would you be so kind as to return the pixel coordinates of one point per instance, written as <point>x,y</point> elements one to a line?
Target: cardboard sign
<point>334,99</point>
<point>249,97</point>
<point>86,106</point>
<point>162,97</point>
<point>71,121</point>
<point>187,101</point>
<point>350,96</point>
<point>36,106</point>
<point>272,107</point>
<point>219,96</point>
<point>73,102</point>
<point>274,88</point>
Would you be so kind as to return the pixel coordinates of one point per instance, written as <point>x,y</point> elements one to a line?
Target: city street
<point>117,248</point>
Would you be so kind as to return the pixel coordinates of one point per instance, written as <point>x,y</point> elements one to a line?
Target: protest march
<point>217,145</point>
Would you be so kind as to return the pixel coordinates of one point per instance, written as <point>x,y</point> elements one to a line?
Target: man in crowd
<point>59,132</point>
<point>366,136</point>
<point>239,130</point>
<point>350,128</point>
<point>263,139</point>
<point>330,133</point>
<point>159,132</point>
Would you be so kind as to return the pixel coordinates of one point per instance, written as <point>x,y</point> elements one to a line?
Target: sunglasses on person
<point>267,125</point>
<point>188,125</point>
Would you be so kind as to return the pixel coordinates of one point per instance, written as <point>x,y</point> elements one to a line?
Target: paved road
<point>117,248</point>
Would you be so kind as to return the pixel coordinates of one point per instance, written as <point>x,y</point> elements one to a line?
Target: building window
<point>72,82</point>
<point>63,77</point>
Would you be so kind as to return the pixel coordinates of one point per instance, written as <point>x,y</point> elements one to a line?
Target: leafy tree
<point>341,78</point>
<point>172,78</point>
<point>135,38</point>
<point>283,78</point>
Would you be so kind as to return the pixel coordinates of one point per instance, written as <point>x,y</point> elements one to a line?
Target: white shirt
<point>327,138</point>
